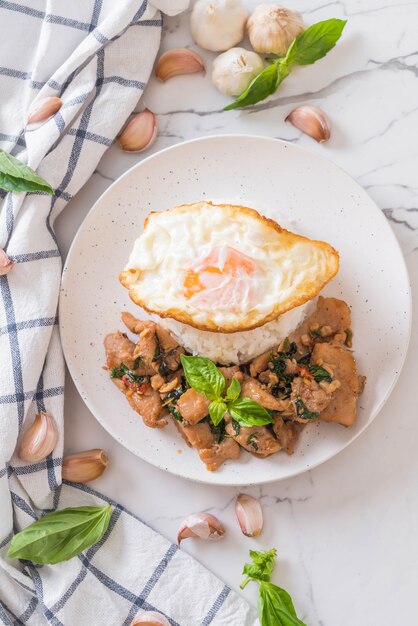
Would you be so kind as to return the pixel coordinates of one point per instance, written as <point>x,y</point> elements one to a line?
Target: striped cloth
<point>97,56</point>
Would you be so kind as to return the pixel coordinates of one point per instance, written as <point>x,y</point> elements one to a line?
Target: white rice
<point>235,347</point>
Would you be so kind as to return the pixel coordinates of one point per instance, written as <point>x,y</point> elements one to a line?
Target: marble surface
<point>346,531</point>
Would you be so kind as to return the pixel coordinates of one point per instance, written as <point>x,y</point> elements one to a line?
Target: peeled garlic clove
<point>202,526</point>
<point>139,133</point>
<point>311,121</point>
<point>218,24</point>
<point>151,618</point>
<point>43,109</point>
<point>84,466</point>
<point>39,440</point>
<point>6,264</point>
<point>233,70</point>
<point>272,28</point>
<point>178,61</point>
<point>250,515</point>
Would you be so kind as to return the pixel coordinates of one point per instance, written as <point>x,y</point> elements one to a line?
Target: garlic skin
<point>233,70</point>
<point>272,28</point>
<point>218,25</point>
<point>312,121</point>
<point>139,133</point>
<point>84,466</point>
<point>249,514</point>
<point>44,109</point>
<point>6,264</point>
<point>151,618</point>
<point>202,526</point>
<point>39,440</point>
<point>178,61</point>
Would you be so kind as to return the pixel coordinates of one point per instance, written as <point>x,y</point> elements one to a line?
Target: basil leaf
<point>262,566</point>
<point>249,413</point>
<point>61,535</point>
<point>233,390</point>
<point>319,373</point>
<point>275,606</point>
<point>217,410</point>
<point>262,86</point>
<point>203,376</point>
<point>16,176</point>
<point>315,42</point>
<point>303,411</point>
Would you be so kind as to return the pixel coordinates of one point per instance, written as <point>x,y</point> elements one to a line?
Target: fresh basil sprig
<point>203,376</point>
<point>310,46</point>
<point>60,535</point>
<point>275,606</point>
<point>16,176</point>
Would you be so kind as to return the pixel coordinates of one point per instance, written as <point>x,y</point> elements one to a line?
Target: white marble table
<point>346,531</point>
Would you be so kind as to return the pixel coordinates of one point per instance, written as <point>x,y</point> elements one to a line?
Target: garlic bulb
<point>233,70</point>
<point>272,28</point>
<point>312,121</point>
<point>249,514</point>
<point>39,440</point>
<point>84,466</point>
<point>178,61</point>
<point>5,263</point>
<point>151,618</point>
<point>139,133</point>
<point>201,525</point>
<point>218,24</point>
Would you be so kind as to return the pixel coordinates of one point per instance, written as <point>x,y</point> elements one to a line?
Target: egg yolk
<point>225,274</point>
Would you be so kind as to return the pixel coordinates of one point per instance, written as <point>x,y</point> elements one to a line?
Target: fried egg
<point>224,268</point>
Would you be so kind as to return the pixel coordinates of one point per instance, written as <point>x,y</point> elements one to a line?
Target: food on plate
<point>261,406</point>
<point>224,268</point>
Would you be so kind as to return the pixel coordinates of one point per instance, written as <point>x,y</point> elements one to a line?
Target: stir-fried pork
<point>256,439</point>
<point>251,388</point>
<point>193,406</point>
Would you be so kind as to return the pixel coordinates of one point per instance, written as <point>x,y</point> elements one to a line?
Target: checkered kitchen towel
<point>97,56</point>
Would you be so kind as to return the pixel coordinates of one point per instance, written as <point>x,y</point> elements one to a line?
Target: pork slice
<point>259,364</point>
<point>215,456</point>
<point>230,373</point>
<point>134,324</point>
<point>256,439</point>
<point>314,398</point>
<point>165,339</point>
<point>147,404</point>
<point>329,312</point>
<point>193,406</point>
<point>198,436</point>
<point>172,358</point>
<point>342,407</point>
<point>119,349</point>
<point>251,388</point>
<point>287,433</point>
<point>146,349</point>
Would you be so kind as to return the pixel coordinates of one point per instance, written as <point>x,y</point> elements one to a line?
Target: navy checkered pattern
<point>96,55</point>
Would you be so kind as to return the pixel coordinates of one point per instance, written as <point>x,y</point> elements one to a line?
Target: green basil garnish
<point>217,410</point>
<point>275,606</point>
<point>203,376</point>
<point>249,413</point>
<point>303,411</point>
<point>234,389</point>
<point>310,46</point>
<point>16,176</point>
<point>319,373</point>
<point>60,535</point>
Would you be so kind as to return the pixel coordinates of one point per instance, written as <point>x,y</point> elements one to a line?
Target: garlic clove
<point>249,514</point>
<point>6,264</point>
<point>233,70</point>
<point>151,618</point>
<point>218,25</point>
<point>139,133</point>
<point>312,121</point>
<point>43,109</point>
<point>39,440</point>
<point>84,466</point>
<point>202,526</point>
<point>178,61</point>
<point>272,28</point>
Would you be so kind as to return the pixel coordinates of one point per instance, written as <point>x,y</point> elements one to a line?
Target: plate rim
<point>155,463</point>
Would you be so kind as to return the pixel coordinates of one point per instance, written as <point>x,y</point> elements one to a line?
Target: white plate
<point>276,178</point>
